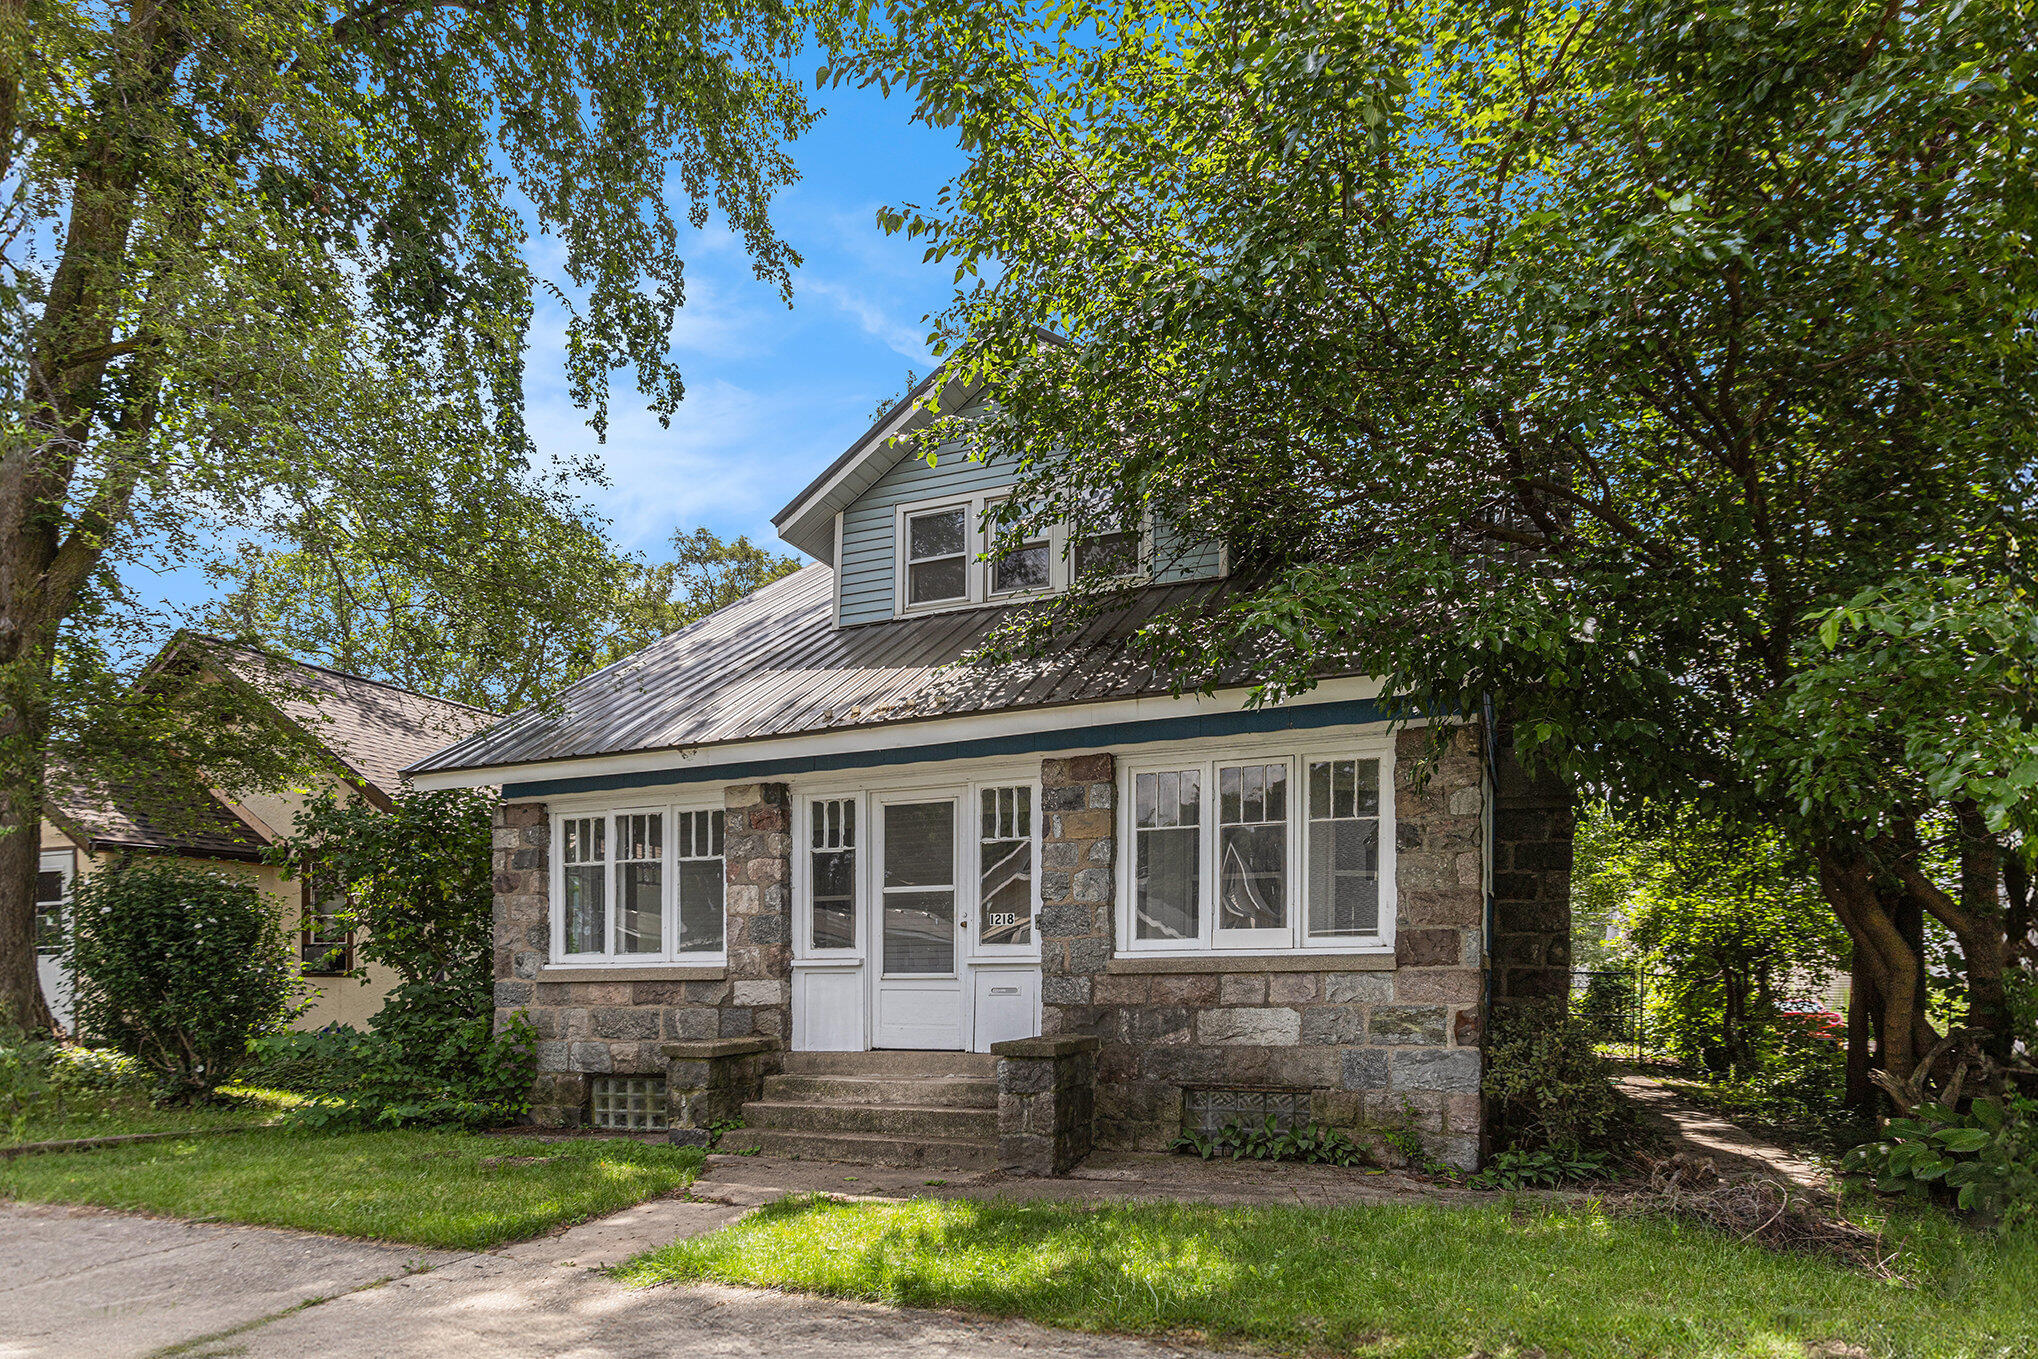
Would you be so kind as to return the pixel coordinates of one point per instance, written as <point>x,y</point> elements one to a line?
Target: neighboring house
<point>364,732</point>
<point>796,861</point>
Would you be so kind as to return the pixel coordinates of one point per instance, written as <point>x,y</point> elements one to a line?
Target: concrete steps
<point>867,1149</point>
<point>933,1110</point>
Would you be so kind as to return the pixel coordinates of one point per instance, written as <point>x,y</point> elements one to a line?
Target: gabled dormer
<point>907,535</point>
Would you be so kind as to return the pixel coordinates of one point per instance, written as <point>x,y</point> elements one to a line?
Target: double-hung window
<point>326,940</point>
<point>640,885</point>
<point>1005,867</point>
<point>831,873</point>
<point>1287,854</point>
<point>938,543</point>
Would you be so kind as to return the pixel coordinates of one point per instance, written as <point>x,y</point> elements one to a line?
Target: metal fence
<point>1615,1002</point>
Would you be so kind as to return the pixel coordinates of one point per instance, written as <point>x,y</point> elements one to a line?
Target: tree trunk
<point>1883,952</point>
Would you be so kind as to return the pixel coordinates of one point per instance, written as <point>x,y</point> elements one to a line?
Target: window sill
<point>1293,961</point>
<point>620,972</point>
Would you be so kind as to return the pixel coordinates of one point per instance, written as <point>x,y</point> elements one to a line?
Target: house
<point>798,863</point>
<point>363,732</point>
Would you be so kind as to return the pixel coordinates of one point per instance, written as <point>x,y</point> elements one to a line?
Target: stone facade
<point>1373,1047</point>
<point>1374,1041</point>
<point>1533,820</point>
<point>1047,1118</point>
<point>757,845</point>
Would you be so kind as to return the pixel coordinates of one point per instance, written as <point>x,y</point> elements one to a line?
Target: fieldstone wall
<point>1373,1045</point>
<point>1078,885</point>
<point>1046,1103</point>
<point>1533,821</point>
<point>618,1026</point>
<point>757,846</point>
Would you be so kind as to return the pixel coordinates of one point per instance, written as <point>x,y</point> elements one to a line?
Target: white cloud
<point>909,341</point>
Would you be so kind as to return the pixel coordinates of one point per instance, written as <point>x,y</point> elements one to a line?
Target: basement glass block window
<point>1211,1111</point>
<point>629,1103</point>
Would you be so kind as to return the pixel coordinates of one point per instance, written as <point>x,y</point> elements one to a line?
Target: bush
<point>307,1062</point>
<point>1548,1088</point>
<point>180,968</point>
<point>1984,1160</point>
<point>26,1087</point>
<point>79,1068</point>
<point>419,883</point>
<point>1541,1169</point>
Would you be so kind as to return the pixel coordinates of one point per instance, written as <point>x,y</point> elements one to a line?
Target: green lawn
<point>111,1114</point>
<point>453,1190</point>
<point>1405,1282</point>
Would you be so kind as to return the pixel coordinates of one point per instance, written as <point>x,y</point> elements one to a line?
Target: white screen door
<point>918,999</point>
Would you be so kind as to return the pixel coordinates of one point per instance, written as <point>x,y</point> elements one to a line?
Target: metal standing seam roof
<point>774,664</point>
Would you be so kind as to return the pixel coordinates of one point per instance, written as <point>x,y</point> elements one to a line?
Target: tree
<point>1730,919</point>
<point>263,270</point>
<point>1583,357</point>
<point>570,604</point>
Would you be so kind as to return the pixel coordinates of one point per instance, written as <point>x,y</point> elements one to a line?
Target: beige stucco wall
<point>334,1000</point>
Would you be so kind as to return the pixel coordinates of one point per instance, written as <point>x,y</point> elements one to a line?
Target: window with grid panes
<point>1167,848</point>
<point>640,883</point>
<point>831,871</point>
<point>701,881</point>
<point>584,879</point>
<point>1344,848</point>
<point>1005,889</point>
<point>1252,846</point>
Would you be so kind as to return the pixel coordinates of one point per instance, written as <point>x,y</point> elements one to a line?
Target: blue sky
<point>772,394</point>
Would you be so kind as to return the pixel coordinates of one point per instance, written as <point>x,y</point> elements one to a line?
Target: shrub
<point>419,884</point>
<point>1542,1169</point>
<point>1548,1088</point>
<point>1984,1160</point>
<point>307,1062</point>
<point>79,1068</point>
<point>178,967</point>
<point>26,1088</point>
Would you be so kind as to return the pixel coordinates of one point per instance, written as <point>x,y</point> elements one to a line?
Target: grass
<point>116,1113</point>
<point>460,1191</point>
<point>1383,1281</point>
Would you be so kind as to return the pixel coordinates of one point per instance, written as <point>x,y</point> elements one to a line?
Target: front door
<point>920,935</point>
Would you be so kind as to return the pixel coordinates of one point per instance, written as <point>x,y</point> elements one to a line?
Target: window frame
<point>64,863</point>
<point>975,861</point>
<point>973,574</point>
<point>804,948</point>
<point>1294,937</point>
<point>669,953</point>
<point>1061,564</point>
<point>304,937</point>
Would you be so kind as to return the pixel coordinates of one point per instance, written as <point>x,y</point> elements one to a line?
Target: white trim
<point>1297,749</point>
<point>972,536</point>
<point>888,736</point>
<point>835,570</point>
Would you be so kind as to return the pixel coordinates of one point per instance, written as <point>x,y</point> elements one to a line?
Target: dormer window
<point>938,556</point>
<point>944,561</point>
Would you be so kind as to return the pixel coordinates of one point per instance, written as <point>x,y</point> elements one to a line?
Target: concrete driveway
<point>98,1285</point>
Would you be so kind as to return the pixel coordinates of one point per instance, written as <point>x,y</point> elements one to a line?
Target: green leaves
<point>1986,1156</point>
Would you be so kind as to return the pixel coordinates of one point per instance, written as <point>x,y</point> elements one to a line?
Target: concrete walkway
<point>1736,1151</point>
<point>100,1285</point>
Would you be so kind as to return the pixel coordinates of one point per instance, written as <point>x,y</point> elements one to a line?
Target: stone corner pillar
<point>1078,885</point>
<point>1047,1091</point>
<point>710,1080</point>
<point>1533,820</point>
<point>520,843</point>
<point>757,851</point>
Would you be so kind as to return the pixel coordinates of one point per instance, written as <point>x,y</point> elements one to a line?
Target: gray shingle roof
<point>774,664</point>
<point>377,728</point>
<point>181,818</point>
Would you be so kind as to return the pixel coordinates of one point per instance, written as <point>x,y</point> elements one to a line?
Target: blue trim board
<point>1245,722</point>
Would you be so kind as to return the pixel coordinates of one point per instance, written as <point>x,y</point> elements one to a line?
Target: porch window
<point>638,886</point>
<point>1344,849</point>
<point>832,873</point>
<point>1169,848</point>
<point>701,879</point>
<point>1005,858</point>
<point>1260,851</point>
<point>586,883</point>
<point>640,883</point>
<point>937,556</point>
<point>1252,847</point>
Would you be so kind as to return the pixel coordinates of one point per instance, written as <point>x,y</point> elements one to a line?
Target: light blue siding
<point>869,529</point>
<point>868,526</point>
